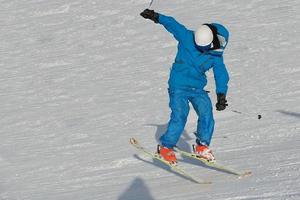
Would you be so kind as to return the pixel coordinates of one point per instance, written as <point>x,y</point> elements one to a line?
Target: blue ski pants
<point>179,104</point>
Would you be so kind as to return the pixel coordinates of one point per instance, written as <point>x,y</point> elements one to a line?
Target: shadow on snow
<point>182,144</point>
<point>162,128</point>
<point>162,166</point>
<point>292,114</point>
<point>137,190</point>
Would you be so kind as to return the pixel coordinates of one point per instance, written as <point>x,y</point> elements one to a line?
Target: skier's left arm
<point>221,79</point>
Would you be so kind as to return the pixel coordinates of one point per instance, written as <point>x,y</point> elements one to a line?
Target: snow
<point>79,78</point>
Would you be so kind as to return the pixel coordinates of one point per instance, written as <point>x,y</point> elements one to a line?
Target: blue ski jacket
<point>188,70</point>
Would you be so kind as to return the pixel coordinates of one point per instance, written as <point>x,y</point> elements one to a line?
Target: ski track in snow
<point>79,78</point>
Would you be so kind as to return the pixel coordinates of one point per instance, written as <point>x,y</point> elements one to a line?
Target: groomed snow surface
<point>78,78</point>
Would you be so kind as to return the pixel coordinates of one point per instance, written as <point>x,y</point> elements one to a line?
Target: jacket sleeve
<point>178,30</point>
<point>221,76</point>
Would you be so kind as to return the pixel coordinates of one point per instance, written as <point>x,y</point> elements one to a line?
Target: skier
<point>198,51</point>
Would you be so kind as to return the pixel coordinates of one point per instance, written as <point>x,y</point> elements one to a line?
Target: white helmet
<point>204,36</point>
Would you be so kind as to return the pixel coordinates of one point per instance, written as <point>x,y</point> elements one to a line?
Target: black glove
<point>150,14</point>
<point>222,102</point>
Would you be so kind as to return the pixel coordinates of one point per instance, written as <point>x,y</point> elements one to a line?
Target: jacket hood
<point>223,36</point>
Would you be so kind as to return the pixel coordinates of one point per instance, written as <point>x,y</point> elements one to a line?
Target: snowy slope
<point>78,78</point>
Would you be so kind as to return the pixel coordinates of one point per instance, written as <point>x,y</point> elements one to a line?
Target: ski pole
<point>150,4</point>
<point>243,113</point>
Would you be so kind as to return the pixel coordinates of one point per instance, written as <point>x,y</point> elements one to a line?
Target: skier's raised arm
<point>178,30</point>
<point>221,80</point>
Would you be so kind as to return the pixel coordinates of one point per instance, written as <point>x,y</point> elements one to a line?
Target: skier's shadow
<point>182,144</point>
<point>162,128</point>
<point>200,164</point>
<point>162,166</point>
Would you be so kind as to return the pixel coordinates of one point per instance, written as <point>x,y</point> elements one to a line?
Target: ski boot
<point>203,151</point>
<point>167,154</point>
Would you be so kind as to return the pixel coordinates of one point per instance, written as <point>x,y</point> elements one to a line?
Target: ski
<point>213,164</point>
<point>173,167</point>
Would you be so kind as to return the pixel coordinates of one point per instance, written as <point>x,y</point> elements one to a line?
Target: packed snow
<point>78,78</point>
